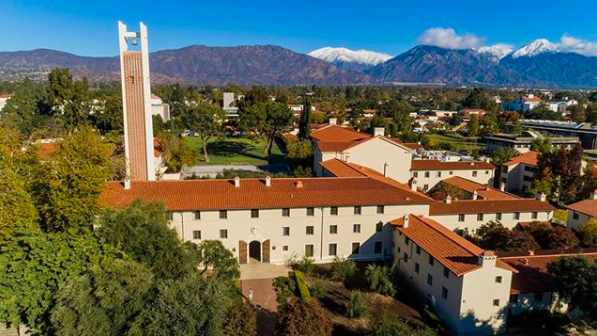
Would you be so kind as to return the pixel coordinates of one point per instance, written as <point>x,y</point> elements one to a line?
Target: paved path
<point>257,270</point>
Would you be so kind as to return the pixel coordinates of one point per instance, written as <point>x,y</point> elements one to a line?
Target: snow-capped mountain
<point>351,59</point>
<point>497,52</point>
<point>535,48</point>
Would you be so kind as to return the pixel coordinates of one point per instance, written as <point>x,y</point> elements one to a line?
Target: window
<point>310,212</point>
<point>575,215</point>
<point>426,174</point>
<point>446,273</point>
<point>308,250</point>
<point>416,174</point>
<point>378,227</point>
<point>417,267</point>
<point>451,172</point>
<point>197,215</point>
<point>496,302</point>
<point>431,261</point>
<point>170,215</point>
<point>380,209</point>
<point>333,249</point>
<point>479,217</point>
<point>534,215</point>
<point>429,279</point>
<point>334,211</point>
<point>439,174</point>
<point>286,231</point>
<point>356,247</point>
<point>538,297</point>
<point>377,247</point>
<point>461,218</point>
<point>356,228</point>
<point>309,230</point>
<point>418,249</point>
<point>406,240</point>
<point>487,172</point>
<point>474,173</point>
<point>426,187</point>
<point>285,212</point>
<point>285,248</point>
<point>255,213</point>
<point>223,214</point>
<point>517,215</point>
<point>357,210</point>
<point>223,234</point>
<point>333,229</point>
<point>405,257</point>
<point>197,234</point>
<point>498,279</point>
<point>498,216</point>
<point>445,293</point>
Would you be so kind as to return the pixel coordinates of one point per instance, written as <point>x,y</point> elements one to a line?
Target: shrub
<point>387,326</point>
<point>300,318</point>
<point>356,305</point>
<point>305,265</point>
<point>302,286</point>
<point>379,280</point>
<point>343,269</point>
<point>242,321</point>
<point>285,288</point>
<point>320,289</point>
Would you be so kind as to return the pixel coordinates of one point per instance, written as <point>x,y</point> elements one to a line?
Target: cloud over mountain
<point>448,38</point>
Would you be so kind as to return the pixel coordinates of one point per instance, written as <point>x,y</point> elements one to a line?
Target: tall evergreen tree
<point>305,121</point>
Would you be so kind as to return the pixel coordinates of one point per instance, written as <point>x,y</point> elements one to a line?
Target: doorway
<point>255,250</point>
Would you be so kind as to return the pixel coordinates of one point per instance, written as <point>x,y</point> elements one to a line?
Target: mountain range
<point>537,64</point>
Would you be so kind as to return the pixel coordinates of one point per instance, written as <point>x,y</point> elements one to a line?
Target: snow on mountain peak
<point>497,51</point>
<point>535,48</point>
<point>345,55</point>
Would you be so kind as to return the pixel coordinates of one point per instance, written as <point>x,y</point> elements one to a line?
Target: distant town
<point>138,206</point>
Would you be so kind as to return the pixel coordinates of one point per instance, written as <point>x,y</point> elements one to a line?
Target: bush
<point>388,326</point>
<point>242,321</point>
<point>356,306</point>
<point>302,286</point>
<point>379,280</point>
<point>343,269</point>
<point>320,289</point>
<point>300,318</point>
<point>305,265</point>
<point>285,288</point>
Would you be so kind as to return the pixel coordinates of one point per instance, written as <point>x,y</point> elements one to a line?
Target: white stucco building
<point>580,213</point>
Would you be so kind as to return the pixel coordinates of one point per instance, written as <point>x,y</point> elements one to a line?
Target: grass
<point>225,151</point>
<point>454,138</point>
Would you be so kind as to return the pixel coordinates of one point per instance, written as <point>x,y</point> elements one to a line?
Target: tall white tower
<point>136,103</point>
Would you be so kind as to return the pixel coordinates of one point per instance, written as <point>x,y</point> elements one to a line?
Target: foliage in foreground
<point>356,305</point>
<point>343,269</point>
<point>388,326</point>
<point>378,279</point>
<point>300,318</point>
<point>575,277</point>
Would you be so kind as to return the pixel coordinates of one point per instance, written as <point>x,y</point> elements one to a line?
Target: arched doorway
<point>255,250</point>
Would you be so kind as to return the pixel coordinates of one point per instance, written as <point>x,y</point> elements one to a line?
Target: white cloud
<point>572,44</point>
<point>447,38</point>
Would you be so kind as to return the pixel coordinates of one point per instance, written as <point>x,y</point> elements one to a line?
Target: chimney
<point>237,182</point>
<point>268,181</point>
<point>333,121</point>
<point>127,184</point>
<point>448,199</point>
<point>299,184</point>
<point>487,258</point>
<point>593,195</point>
<point>379,131</point>
<point>413,184</point>
<point>502,186</point>
<point>405,221</point>
<point>541,196</point>
<point>475,195</point>
<point>531,252</point>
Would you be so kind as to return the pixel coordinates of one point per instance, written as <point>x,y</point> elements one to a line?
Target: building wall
<point>574,224</point>
<point>518,177</point>
<point>471,224</point>
<point>270,224</point>
<point>427,179</point>
<point>380,155</point>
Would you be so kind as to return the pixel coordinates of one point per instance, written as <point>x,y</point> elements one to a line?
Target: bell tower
<point>136,104</point>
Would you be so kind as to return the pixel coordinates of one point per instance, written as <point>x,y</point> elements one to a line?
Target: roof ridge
<point>549,255</point>
<point>451,234</point>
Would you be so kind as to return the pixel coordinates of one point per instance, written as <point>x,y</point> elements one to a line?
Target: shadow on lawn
<point>229,149</point>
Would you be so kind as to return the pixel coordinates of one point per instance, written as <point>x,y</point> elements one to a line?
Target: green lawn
<point>224,151</point>
<point>454,138</point>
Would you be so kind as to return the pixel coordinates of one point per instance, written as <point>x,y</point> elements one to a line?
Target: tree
<point>541,145</point>
<point>300,318</point>
<point>578,113</point>
<point>108,300</point>
<point>213,255</point>
<point>305,120</point>
<point>588,233</point>
<point>473,126</point>
<point>266,118</point>
<point>543,112</point>
<point>343,269</point>
<point>242,321</point>
<point>575,278</point>
<point>68,98</point>
<point>356,306</point>
<point>561,239</point>
<point>205,120</point>
<point>108,115</point>
<point>27,109</point>
<point>142,231</point>
<point>378,280</point>
<point>442,190</point>
<point>17,209</point>
<point>176,153</point>
<point>494,236</point>
<point>503,155</point>
<point>66,189</point>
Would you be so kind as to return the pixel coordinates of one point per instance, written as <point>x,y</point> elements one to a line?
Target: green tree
<point>266,118</point>
<point>242,321</point>
<point>68,98</point>
<point>142,231</point>
<point>578,113</point>
<point>575,277</point>
<point>378,279</point>
<point>176,153</point>
<point>494,236</point>
<point>356,306</point>
<point>66,188</point>
<point>108,115</point>
<point>588,233</point>
<point>305,120</point>
<point>213,255</point>
<point>541,145</point>
<point>17,208</point>
<point>543,112</point>
<point>343,269</point>
<point>503,155</point>
<point>473,126</point>
<point>300,318</point>
<point>205,120</point>
<point>27,109</point>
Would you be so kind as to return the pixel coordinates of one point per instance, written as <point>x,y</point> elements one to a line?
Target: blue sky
<point>88,27</point>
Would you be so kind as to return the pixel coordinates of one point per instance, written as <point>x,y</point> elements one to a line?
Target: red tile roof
<point>587,207</point>
<point>484,192</point>
<point>157,152</point>
<point>451,250</point>
<point>6,95</point>
<point>488,206</point>
<point>531,274</point>
<point>254,194</point>
<point>529,158</point>
<point>421,164</point>
<point>46,149</point>
<point>335,133</point>
<point>531,99</point>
